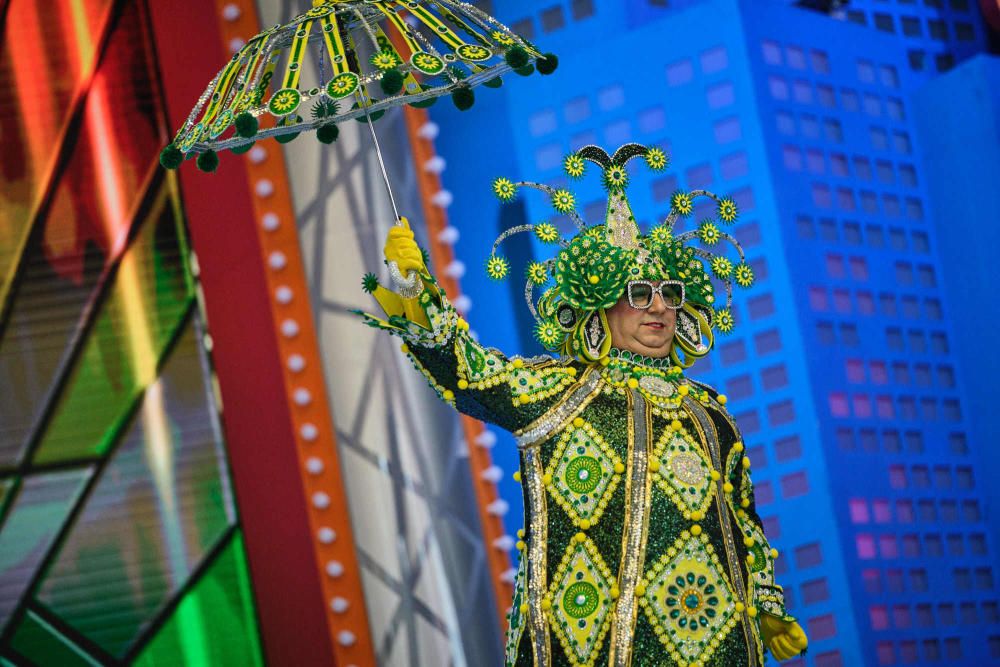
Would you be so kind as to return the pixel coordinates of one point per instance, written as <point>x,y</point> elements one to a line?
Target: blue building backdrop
<point>857,371</point>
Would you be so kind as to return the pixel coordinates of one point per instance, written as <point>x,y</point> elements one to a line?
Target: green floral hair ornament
<point>574,166</point>
<point>504,189</point>
<point>497,267</point>
<point>590,270</point>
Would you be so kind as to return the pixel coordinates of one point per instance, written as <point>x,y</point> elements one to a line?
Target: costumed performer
<point>642,545</point>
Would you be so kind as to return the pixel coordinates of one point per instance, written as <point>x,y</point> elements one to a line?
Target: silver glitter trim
<point>709,436</point>
<point>561,412</point>
<point>408,288</point>
<point>636,530</point>
<point>538,522</point>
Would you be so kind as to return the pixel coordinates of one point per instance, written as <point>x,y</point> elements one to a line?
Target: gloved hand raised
<point>402,249</point>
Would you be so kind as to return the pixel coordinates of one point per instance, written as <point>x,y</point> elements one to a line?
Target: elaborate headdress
<point>589,273</point>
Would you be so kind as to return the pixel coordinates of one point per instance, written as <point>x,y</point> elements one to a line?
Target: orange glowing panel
<point>47,57</point>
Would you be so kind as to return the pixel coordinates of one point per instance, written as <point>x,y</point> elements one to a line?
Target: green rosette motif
<point>591,272</point>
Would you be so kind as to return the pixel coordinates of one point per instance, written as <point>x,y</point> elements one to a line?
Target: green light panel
<point>38,641</point>
<point>161,503</point>
<point>146,304</point>
<point>40,508</point>
<point>215,623</point>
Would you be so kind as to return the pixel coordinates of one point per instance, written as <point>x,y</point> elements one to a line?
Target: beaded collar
<point>625,357</point>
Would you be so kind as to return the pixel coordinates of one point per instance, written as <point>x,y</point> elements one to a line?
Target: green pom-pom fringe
<point>208,161</point>
<point>516,57</point>
<point>240,150</point>
<point>246,125</point>
<point>328,133</point>
<point>369,283</point>
<point>547,64</point>
<point>463,98</point>
<point>375,115</point>
<point>495,82</point>
<point>392,81</point>
<point>171,157</point>
<point>527,70</point>
<point>286,138</point>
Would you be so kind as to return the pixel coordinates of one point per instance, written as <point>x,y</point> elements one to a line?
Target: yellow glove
<point>402,249</point>
<point>785,639</point>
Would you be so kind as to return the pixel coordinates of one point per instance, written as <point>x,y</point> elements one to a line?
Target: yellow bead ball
<point>520,532</point>
<point>746,461</point>
<point>748,542</point>
<point>633,383</point>
<point>448,394</point>
<point>683,390</point>
<point>751,558</point>
<point>571,372</point>
<point>640,590</point>
<point>727,487</point>
<point>524,399</point>
<point>584,524</point>
<point>697,515</point>
<point>744,503</point>
<point>752,612</point>
<point>523,608</point>
<point>715,474</point>
<point>463,384</point>
<point>546,478</point>
<point>740,608</point>
<point>517,476</point>
<point>546,604</point>
<point>738,447</point>
<point>696,530</point>
<point>619,467</point>
<point>578,422</point>
<point>518,363</point>
<point>654,466</point>
<point>520,545</point>
<point>594,280</point>
<point>676,425</point>
<point>721,398</point>
<point>581,537</point>
<point>615,592</point>
<point>404,348</point>
<point>774,553</point>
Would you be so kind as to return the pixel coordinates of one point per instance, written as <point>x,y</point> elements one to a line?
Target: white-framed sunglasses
<point>640,293</point>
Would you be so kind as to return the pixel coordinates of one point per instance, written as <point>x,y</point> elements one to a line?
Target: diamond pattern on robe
<point>684,474</point>
<point>479,366</point>
<point>582,473</point>
<point>688,599</point>
<point>581,602</point>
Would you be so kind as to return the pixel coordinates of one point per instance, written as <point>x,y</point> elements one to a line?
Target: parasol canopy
<point>367,56</point>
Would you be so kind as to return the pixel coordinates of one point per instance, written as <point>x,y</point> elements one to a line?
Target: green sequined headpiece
<point>589,273</point>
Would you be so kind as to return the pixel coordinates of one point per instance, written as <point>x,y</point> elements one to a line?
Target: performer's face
<point>648,332</point>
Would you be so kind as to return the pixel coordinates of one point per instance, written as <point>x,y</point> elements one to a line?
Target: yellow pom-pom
<point>404,348</point>
<point>578,422</point>
<point>715,474</point>
<point>584,524</point>
<point>520,533</point>
<point>738,446</point>
<point>676,425</point>
<point>683,390</point>
<point>774,553</point>
<point>752,612</point>
<point>448,395</point>
<point>619,467</point>
<point>654,466</point>
<point>640,590</point>
<point>520,545</point>
<point>525,399</point>
<point>751,558</point>
<point>594,280</point>
<point>748,542</point>
<point>696,530</point>
<point>741,514</point>
<point>517,476</point>
<point>463,384</point>
<point>746,461</point>
<point>721,398</point>
<point>697,515</point>
<point>523,608</point>
<point>571,372</point>
<point>546,478</point>
<point>546,604</point>
<point>727,487</point>
<point>518,363</point>
<point>745,503</point>
<point>581,537</point>
<point>739,608</point>
<point>633,383</point>
<point>614,593</point>
<point>462,324</point>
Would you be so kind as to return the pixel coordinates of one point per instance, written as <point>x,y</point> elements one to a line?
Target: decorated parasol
<point>367,56</point>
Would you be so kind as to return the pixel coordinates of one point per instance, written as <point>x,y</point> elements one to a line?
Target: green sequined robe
<point>641,545</point>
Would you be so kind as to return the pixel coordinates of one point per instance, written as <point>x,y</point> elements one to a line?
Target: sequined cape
<point>642,545</point>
